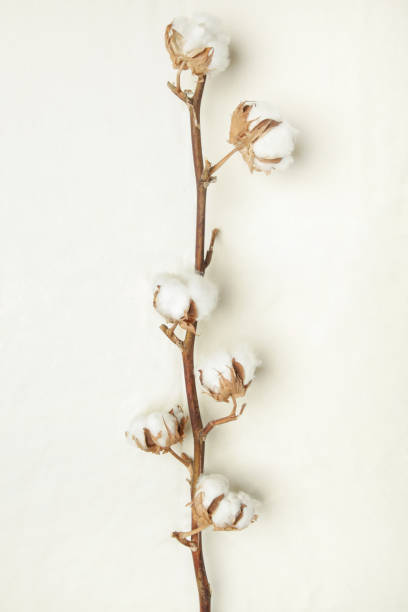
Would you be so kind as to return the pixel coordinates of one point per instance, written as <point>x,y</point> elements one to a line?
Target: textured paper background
<point>96,195</point>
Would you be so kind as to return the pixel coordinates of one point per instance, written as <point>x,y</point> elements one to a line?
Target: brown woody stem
<point>203,179</point>
<point>204,591</point>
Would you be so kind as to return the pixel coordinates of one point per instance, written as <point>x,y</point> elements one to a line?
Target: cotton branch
<point>184,459</point>
<point>183,95</point>
<point>222,161</point>
<point>182,536</point>
<point>233,416</point>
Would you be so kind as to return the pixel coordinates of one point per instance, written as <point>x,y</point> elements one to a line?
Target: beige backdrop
<point>97,195</point>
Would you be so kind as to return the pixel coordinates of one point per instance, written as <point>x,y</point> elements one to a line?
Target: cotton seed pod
<point>228,375</point>
<point>214,504</point>
<point>184,299</point>
<point>155,432</point>
<point>265,141</point>
<point>197,44</point>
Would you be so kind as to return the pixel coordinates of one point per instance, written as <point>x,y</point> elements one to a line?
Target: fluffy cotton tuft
<point>218,363</point>
<point>174,294</point>
<point>212,486</point>
<point>227,510</point>
<point>172,299</point>
<point>279,142</point>
<point>204,31</point>
<point>248,512</point>
<point>204,294</point>
<point>250,362</point>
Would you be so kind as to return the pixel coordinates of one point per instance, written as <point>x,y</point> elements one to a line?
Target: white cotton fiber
<point>247,358</point>
<point>260,111</point>
<point>203,31</point>
<point>178,413</point>
<point>278,142</point>
<point>248,512</point>
<point>212,485</point>
<point>268,166</point>
<point>227,510</point>
<point>135,429</point>
<point>155,424</point>
<point>175,293</point>
<point>172,299</point>
<point>218,363</point>
<point>204,294</point>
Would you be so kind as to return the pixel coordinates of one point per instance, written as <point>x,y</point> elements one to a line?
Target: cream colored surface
<point>97,195</point>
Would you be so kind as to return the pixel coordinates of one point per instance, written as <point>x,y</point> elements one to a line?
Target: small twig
<point>206,178</point>
<point>169,332</point>
<point>209,254</point>
<point>222,161</point>
<point>180,94</point>
<point>182,536</point>
<point>183,458</point>
<point>233,416</point>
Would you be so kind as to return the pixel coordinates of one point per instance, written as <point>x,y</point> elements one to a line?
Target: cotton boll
<point>199,32</point>
<point>227,375</point>
<point>172,298</point>
<point>212,486</point>
<point>231,511</point>
<point>249,361</point>
<point>218,363</point>
<point>155,432</point>
<point>227,510</point>
<point>265,141</point>
<point>203,293</point>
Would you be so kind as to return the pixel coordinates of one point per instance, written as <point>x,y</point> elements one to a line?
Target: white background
<point>97,195</point>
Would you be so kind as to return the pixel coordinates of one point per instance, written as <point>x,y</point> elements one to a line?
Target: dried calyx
<point>228,375</point>
<point>197,44</point>
<point>265,141</point>
<point>214,504</point>
<point>156,432</point>
<point>183,300</point>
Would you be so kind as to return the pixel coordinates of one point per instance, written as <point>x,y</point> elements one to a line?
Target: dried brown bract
<point>197,60</point>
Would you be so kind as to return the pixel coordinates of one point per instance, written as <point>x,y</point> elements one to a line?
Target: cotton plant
<point>266,142</point>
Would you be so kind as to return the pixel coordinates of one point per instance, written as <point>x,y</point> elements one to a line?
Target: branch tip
<point>169,332</point>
